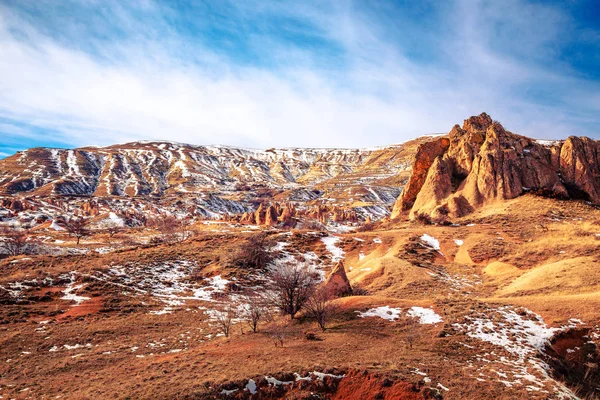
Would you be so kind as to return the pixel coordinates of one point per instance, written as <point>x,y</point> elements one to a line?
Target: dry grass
<point>546,260</point>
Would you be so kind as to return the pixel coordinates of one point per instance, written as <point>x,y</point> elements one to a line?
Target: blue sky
<point>292,73</point>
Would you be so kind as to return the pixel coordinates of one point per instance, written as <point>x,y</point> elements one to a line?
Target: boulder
<point>337,282</point>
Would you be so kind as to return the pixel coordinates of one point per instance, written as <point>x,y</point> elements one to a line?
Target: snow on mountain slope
<point>237,179</point>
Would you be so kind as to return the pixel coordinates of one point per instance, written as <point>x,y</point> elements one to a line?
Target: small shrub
<point>313,225</point>
<point>423,219</point>
<point>366,227</point>
<point>320,307</point>
<point>254,253</point>
<point>359,290</point>
<point>278,334</point>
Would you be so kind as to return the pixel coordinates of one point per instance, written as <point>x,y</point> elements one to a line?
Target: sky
<point>293,73</point>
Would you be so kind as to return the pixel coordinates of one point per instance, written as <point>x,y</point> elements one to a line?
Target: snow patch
<point>385,312</point>
<point>425,315</point>
<point>431,242</point>
<point>336,252</point>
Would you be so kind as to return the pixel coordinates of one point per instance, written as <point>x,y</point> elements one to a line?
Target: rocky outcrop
<point>337,282</point>
<point>427,153</point>
<point>482,162</point>
<point>271,216</point>
<point>288,215</point>
<point>90,208</point>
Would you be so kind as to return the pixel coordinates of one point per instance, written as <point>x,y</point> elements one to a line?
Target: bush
<point>13,240</point>
<point>320,307</point>
<point>313,225</point>
<point>278,334</point>
<point>292,285</point>
<point>358,290</point>
<point>254,253</point>
<point>366,227</point>
<point>423,219</point>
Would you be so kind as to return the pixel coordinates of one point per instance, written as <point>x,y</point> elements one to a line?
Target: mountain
<point>206,181</point>
<point>501,303</point>
<point>482,162</point>
<point>450,176</point>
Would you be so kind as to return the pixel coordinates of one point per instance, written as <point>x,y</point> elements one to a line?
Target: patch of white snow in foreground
<point>425,315</point>
<point>523,335</point>
<point>251,386</point>
<point>519,334</point>
<point>459,242</point>
<point>385,312</point>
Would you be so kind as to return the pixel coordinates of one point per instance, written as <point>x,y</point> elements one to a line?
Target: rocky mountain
<point>450,176</point>
<point>206,181</point>
<point>482,162</point>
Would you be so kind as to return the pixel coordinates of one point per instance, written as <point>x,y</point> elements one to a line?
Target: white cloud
<point>138,89</point>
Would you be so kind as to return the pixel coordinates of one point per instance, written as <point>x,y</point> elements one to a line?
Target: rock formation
<point>288,215</point>
<point>482,162</point>
<point>337,282</point>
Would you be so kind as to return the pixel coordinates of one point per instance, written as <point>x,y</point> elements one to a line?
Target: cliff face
<point>482,162</point>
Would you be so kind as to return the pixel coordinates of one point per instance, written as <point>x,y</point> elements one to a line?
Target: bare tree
<point>255,310</point>
<point>320,307</point>
<point>184,231</point>
<point>171,228</point>
<point>410,326</point>
<point>292,284</point>
<point>112,229</point>
<point>78,227</point>
<point>254,253</point>
<point>225,316</point>
<point>278,333</point>
<point>13,240</point>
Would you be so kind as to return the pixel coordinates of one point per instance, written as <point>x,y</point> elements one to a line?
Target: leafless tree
<point>292,284</point>
<point>278,333</point>
<point>256,310</point>
<point>320,307</point>
<point>254,253</point>
<point>112,229</point>
<point>171,228</point>
<point>225,315</point>
<point>13,240</point>
<point>78,227</point>
<point>410,326</point>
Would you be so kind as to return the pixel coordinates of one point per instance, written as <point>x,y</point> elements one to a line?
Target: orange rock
<point>271,216</point>
<point>482,162</point>
<point>426,155</point>
<point>337,282</point>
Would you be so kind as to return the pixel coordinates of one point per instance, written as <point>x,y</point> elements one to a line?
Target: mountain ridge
<point>481,162</point>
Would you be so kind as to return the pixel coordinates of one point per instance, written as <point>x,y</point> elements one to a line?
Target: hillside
<point>497,297</point>
<point>204,181</point>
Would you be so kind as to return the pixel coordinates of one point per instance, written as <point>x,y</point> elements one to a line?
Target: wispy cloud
<point>287,74</point>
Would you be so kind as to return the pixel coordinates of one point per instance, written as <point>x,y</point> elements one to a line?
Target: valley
<point>468,269</point>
